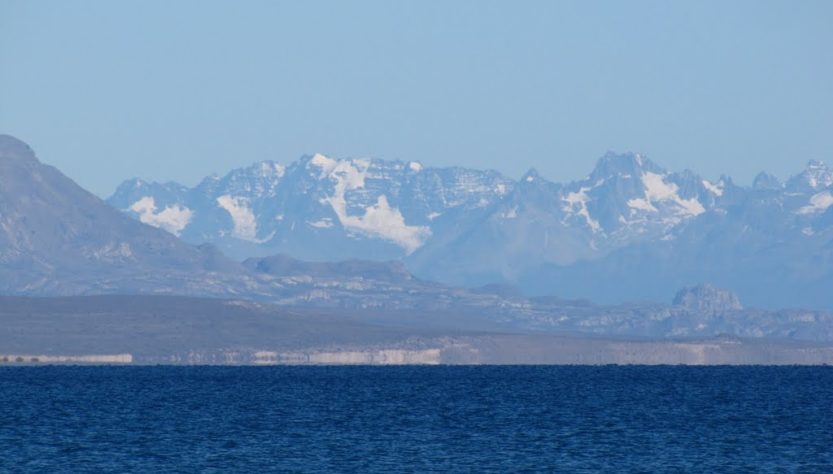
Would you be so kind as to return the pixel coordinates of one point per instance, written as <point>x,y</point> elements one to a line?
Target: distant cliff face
<point>285,266</point>
<point>707,299</point>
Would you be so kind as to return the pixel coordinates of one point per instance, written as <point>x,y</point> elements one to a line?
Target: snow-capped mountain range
<point>57,239</point>
<point>317,207</point>
<point>629,230</point>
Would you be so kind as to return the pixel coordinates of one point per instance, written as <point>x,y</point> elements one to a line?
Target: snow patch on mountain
<point>173,219</point>
<point>715,189</point>
<point>658,191</point>
<point>819,202</point>
<point>245,224</point>
<point>577,205</point>
<point>641,204</point>
<point>347,174</point>
<point>380,219</point>
<point>324,223</point>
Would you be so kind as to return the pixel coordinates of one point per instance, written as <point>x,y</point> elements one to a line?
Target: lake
<point>416,419</point>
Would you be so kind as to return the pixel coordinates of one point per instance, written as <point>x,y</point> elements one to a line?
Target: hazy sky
<point>175,90</point>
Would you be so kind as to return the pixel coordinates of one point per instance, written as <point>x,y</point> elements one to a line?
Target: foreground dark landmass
<point>182,330</point>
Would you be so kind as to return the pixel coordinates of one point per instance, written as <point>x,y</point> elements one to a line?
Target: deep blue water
<point>416,419</point>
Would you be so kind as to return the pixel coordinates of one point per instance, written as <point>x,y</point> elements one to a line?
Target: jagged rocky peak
<point>139,185</point>
<point>817,166</point>
<point>132,183</point>
<point>530,176</point>
<point>766,182</point>
<point>259,170</point>
<point>819,175</point>
<point>623,164</point>
<point>816,175</point>
<point>705,298</point>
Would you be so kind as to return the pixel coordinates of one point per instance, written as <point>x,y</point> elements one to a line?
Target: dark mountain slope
<point>54,235</point>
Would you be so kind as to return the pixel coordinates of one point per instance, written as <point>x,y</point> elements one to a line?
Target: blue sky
<point>178,90</point>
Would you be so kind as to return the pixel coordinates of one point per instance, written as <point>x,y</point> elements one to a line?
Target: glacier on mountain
<point>379,219</point>
<point>172,218</point>
<point>819,202</point>
<point>245,225</point>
